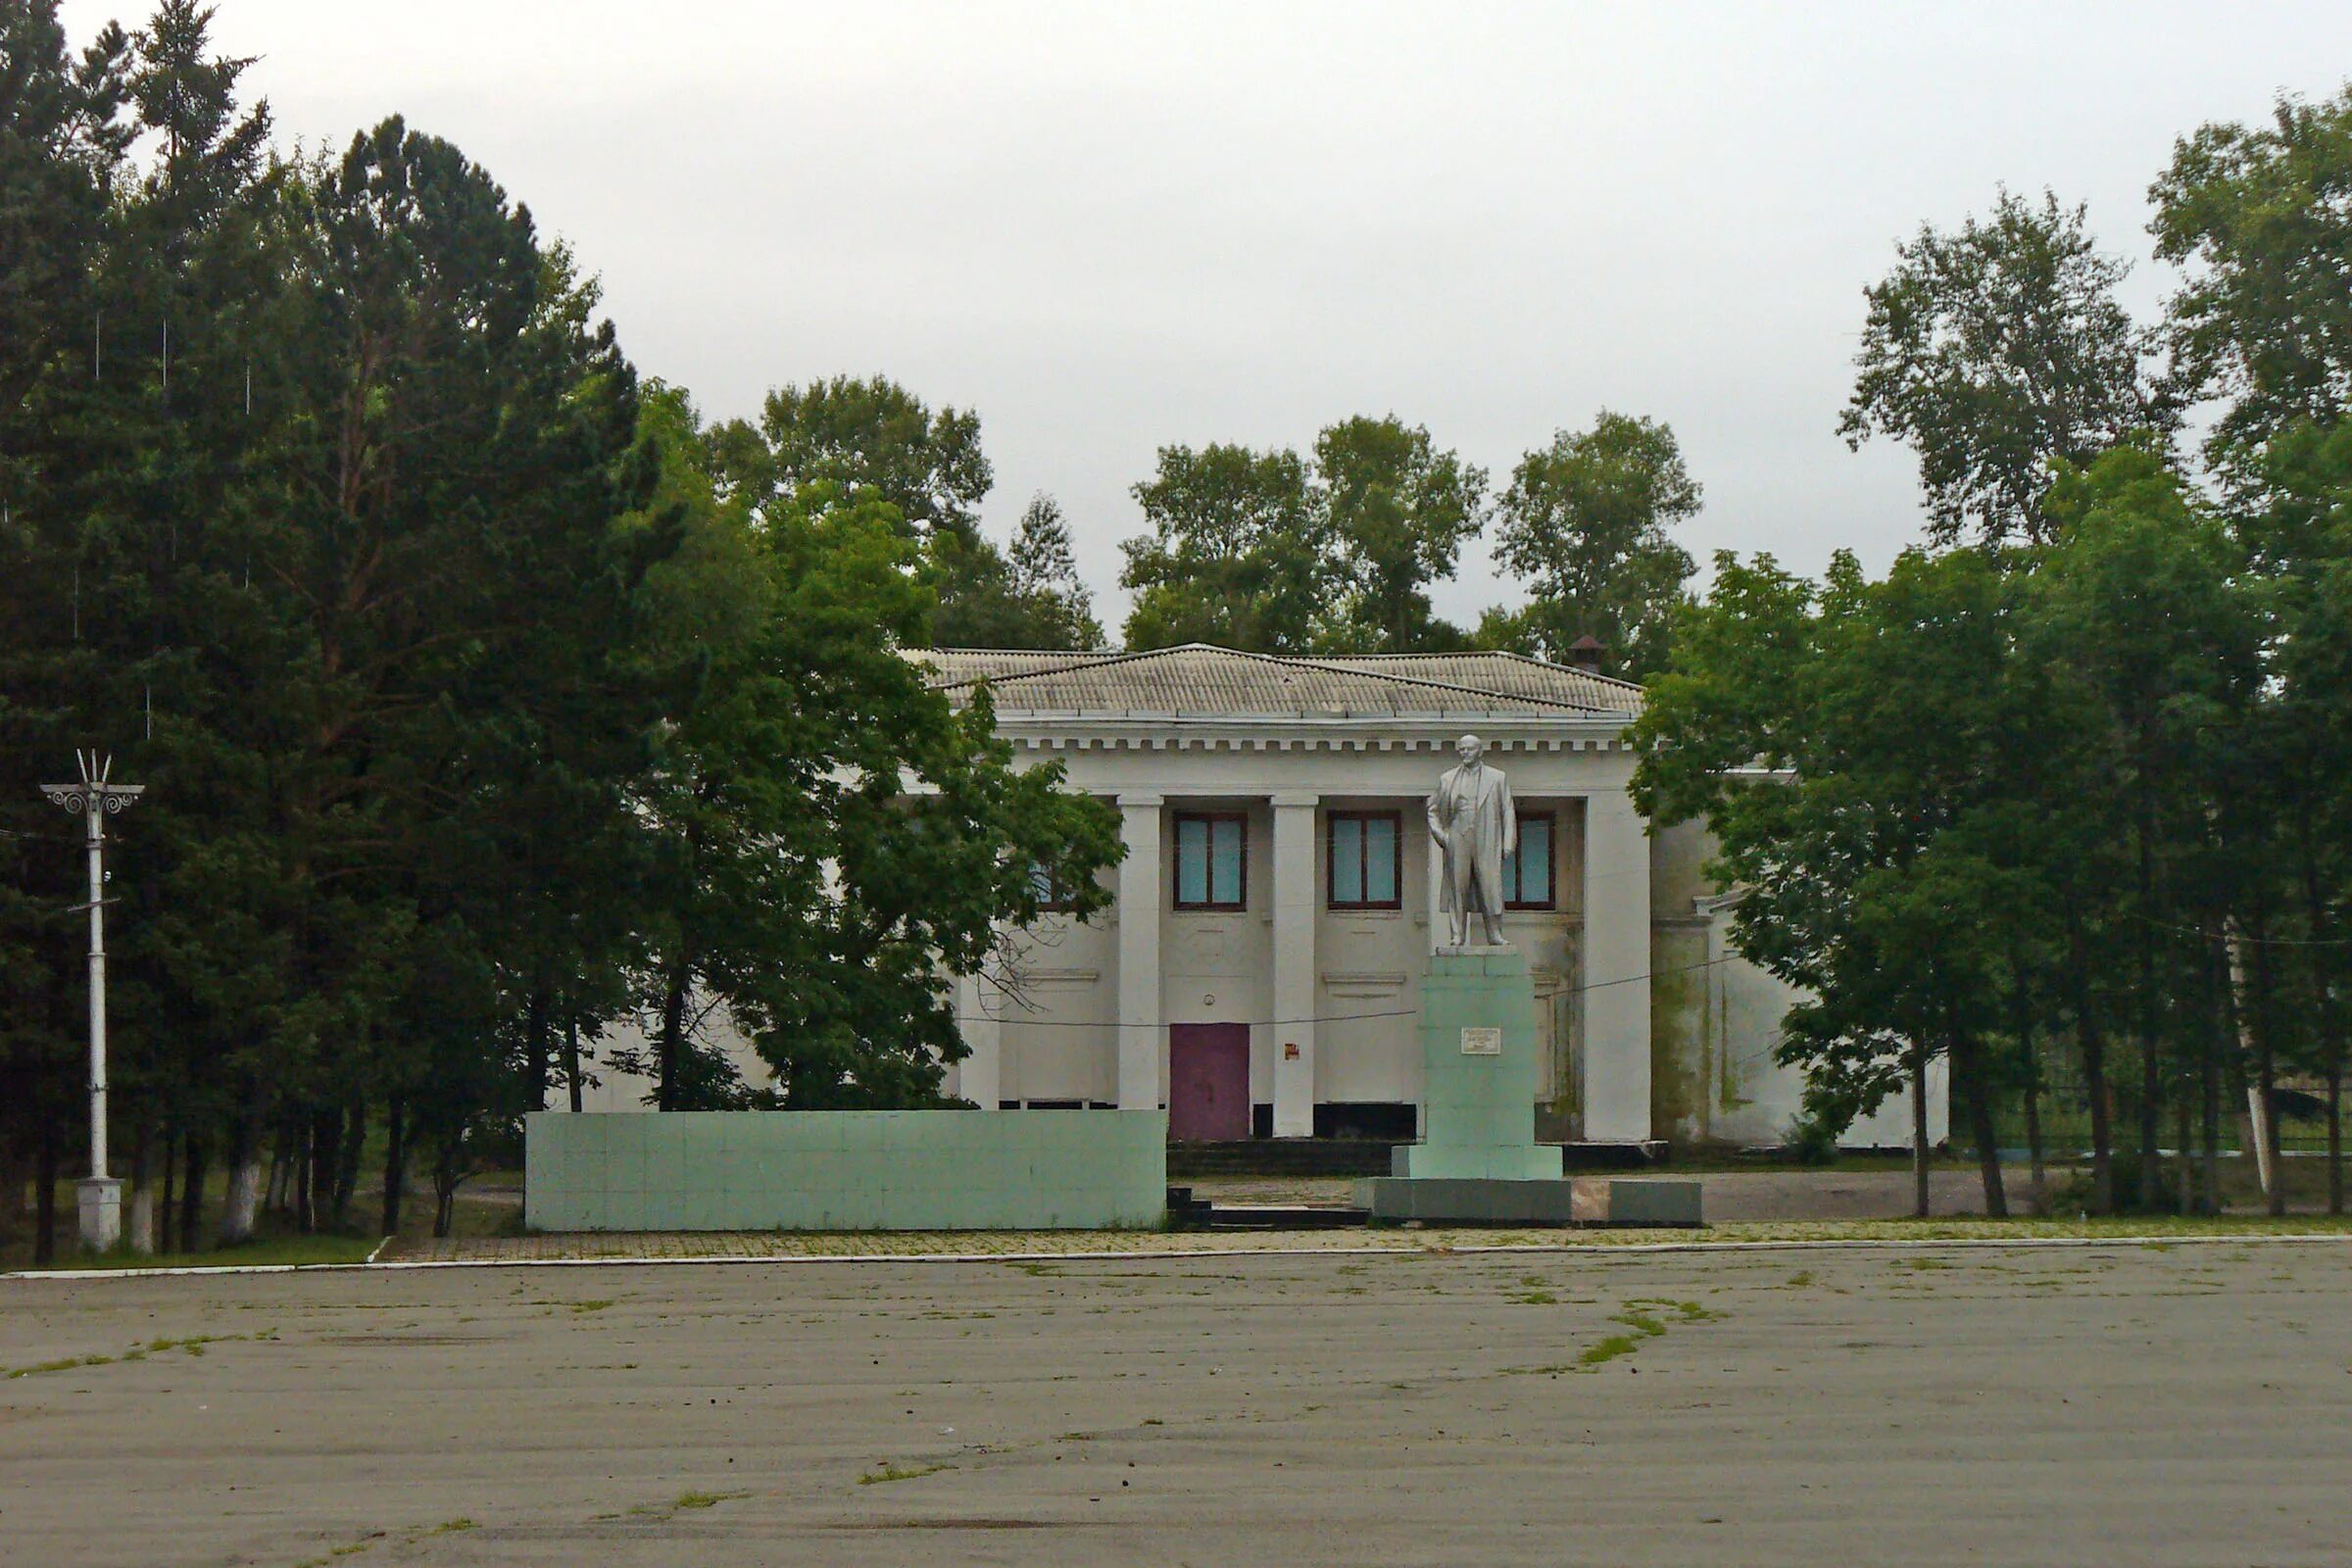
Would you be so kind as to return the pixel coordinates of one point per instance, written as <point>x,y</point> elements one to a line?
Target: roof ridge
<point>1511,654</point>
<point>1105,661</point>
<point>1545,664</point>
<point>1452,686</point>
<point>1080,662</point>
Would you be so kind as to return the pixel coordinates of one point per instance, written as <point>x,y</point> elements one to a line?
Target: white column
<point>1294,998</point>
<point>1616,954</point>
<point>979,1076</point>
<point>1141,891</point>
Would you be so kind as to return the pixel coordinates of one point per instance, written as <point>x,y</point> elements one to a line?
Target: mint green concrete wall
<point>896,1170</point>
<point>1478,1113</point>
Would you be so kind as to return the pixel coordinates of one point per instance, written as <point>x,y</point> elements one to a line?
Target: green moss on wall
<point>1678,1037</point>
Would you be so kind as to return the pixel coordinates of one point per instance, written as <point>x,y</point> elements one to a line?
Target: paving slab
<point>1911,1404</point>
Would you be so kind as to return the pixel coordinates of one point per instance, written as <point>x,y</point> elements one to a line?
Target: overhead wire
<point>1325,1017</point>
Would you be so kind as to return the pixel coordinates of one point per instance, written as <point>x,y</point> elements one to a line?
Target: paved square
<point>2107,1404</point>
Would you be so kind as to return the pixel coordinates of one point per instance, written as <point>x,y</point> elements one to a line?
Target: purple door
<point>1209,1081</point>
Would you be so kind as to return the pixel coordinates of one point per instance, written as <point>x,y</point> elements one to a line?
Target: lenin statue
<point>1472,820</point>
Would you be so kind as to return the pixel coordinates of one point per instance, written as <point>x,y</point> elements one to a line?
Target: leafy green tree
<point>1045,576</point>
<point>1238,554</point>
<point>1586,523</point>
<point>2257,216</point>
<point>2140,607</point>
<point>1399,511</point>
<point>861,433</point>
<point>1870,866</point>
<point>831,842</point>
<point>872,437</point>
<point>1994,351</point>
<point>1027,597</point>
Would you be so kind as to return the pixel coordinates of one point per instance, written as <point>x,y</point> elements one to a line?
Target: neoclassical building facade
<point>1258,973</point>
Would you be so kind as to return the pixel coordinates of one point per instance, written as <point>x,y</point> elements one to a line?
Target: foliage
<point>1586,522</point>
<point>483,698</point>
<point>1029,596</point>
<point>1271,552</point>
<point>2259,218</point>
<point>1399,512</point>
<point>1994,351</point>
<point>1238,554</point>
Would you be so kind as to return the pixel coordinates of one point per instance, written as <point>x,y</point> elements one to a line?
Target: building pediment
<point>1202,684</point>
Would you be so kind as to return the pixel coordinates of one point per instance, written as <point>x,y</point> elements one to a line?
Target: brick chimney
<point>1585,652</point>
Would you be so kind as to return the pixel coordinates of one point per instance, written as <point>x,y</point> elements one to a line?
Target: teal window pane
<point>1192,860</point>
<point>1527,870</point>
<point>1225,862</point>
<point>1347,861</point>
<point>1380,860</point>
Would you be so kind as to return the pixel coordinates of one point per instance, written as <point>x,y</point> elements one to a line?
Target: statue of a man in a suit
<point>1473,822</point>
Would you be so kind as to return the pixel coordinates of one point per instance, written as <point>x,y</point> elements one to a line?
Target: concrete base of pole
<point>101,1201</point>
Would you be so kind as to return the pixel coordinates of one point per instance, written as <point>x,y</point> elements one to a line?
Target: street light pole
<point>96,799</point>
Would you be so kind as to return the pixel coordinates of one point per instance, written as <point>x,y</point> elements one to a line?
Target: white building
<point>1259,974</point>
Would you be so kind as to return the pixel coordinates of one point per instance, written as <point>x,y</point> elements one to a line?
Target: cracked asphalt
<point>2189,1404</point>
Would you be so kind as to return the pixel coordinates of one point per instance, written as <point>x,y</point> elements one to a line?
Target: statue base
<point>1478,1073</point>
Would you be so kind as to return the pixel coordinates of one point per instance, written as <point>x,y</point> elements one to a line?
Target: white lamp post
<point>101,1195</point>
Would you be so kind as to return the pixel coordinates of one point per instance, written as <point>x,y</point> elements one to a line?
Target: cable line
<point>1324,1018</point>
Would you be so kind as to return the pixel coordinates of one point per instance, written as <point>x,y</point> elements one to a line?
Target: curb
<point>1588,1249</point>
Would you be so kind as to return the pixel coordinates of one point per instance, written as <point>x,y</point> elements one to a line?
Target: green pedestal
<point>1479,1072</point>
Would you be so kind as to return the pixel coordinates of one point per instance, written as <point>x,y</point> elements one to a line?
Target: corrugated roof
<point>1200,680</point>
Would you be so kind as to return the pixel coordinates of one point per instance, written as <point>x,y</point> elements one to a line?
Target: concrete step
<point>1281,1156</point>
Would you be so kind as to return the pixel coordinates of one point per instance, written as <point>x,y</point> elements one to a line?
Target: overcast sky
<point>1109,227</point>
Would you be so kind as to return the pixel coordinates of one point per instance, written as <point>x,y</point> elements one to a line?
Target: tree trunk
<point>2034,1155</point>
<point>1969,1068</point>
<point>239,1208</point>
<point>2329,1019</point>
<point>2151,1095</point>
<point>673,1034</point>
<point>538,1032</point>
<point>2335,1136</point>
<point>2029,1052</point>
<point>2184,1157</point>
<point>571,1060</point>
<point>191,1194</point>
<point>138,1225</point>
<point>1919,1131</point>
<point>2266,1061</point>
<point>44,1195</point>
<point>15,1185</point>
<point>273,1186</point>
<point>347,1167</point>
<point>303,1217</point>
<point>2094,1043</point>
<point>326,1158</point>
<point>447,1172</point>
<point>2209,1076</point>
<point>164,1217</point>
<point>396,1166</point>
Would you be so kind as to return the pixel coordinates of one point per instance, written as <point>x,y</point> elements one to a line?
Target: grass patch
<point>1608,1349</point>
<point>1536,1298</point>
<point>892,1471</point>
<point>193,1345</point>
<point>1684,1311</point>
